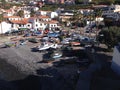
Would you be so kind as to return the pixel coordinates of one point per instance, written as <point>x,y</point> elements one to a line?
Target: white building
<point>36,23</point>
<point>111,10</point>
<point>99,19</point>
<point>26,14</point>
<point>18,22</point>
<point>9,12</point>
<point>116,59</point>
<point>4,27</point>
<point>43,22</point>
<point>53,14</point>
<point>44,13</point>
<point>53,24</point>
<point>85,11</point>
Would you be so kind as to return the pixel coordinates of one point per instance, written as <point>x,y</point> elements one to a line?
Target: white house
<point>112,9</point>
<point>99,19</point>
<point>116,59</point>
<point>65,15</point>
<point>9,12</point>
<point>44,18</point>
<point>53,14</point>
<point>53,24</point>
<point>43,22</point>
<point>23,23</point>
<point>4,27</point>
<point>36,23</point>
<point>18,22</point>
<point>44,13</point>
<point>26,14</point>
<point>85,11</point>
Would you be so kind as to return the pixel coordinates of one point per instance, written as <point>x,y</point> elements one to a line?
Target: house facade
<point>65,15</point>
<point>4,27</point>
<point>111,10</point>
<point>35,23</point>
<point>43,22</point>
<point>9,12</point>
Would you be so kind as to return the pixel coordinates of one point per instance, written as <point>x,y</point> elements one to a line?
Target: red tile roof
<point>53,22</point>
<point>23,21</point>
<point>11,17</point>
<point>43,16</point>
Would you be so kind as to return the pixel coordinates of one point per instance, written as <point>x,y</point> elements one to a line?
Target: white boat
<point>43,46</point>
<point>56,54</point>
<point>46,45</point>
<point>54,46</point>
<point>66,41</point>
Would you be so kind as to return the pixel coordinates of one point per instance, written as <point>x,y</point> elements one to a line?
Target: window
<point>36,25</point>
<point>12,25</point>
<point>28,25</point>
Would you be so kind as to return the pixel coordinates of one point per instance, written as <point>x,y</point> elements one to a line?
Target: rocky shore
<point>21,67</point>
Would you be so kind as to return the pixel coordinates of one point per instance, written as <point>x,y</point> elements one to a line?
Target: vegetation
<point>1,17</point>
<point>67,7</point>
<point>96,1</point>
<point>20,13</point>
<point>49,7</point>
<point>109,36</point>
<point>6,5</point>
<point>32,13</point>
<point>104,1</point>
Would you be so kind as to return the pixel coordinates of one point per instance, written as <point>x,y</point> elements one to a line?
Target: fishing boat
<point>56,54</point>
<point>46,45</point>
<point>43,46</point>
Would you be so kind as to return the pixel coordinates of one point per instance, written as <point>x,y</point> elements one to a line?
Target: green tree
<point>109,36</point>
<point>104,1</point>
<point>20,13</point>
<point>78,1</point>
<point>1,17</point>
<point>32,13</point>
<point>77,18</point>
<point>3,3</point>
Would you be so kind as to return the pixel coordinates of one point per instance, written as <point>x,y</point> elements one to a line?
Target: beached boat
<point>46,45</point>
<point>56,54</point>
<point>43,46</point>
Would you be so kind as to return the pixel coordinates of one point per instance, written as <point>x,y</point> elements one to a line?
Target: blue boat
<point>53,34</point>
